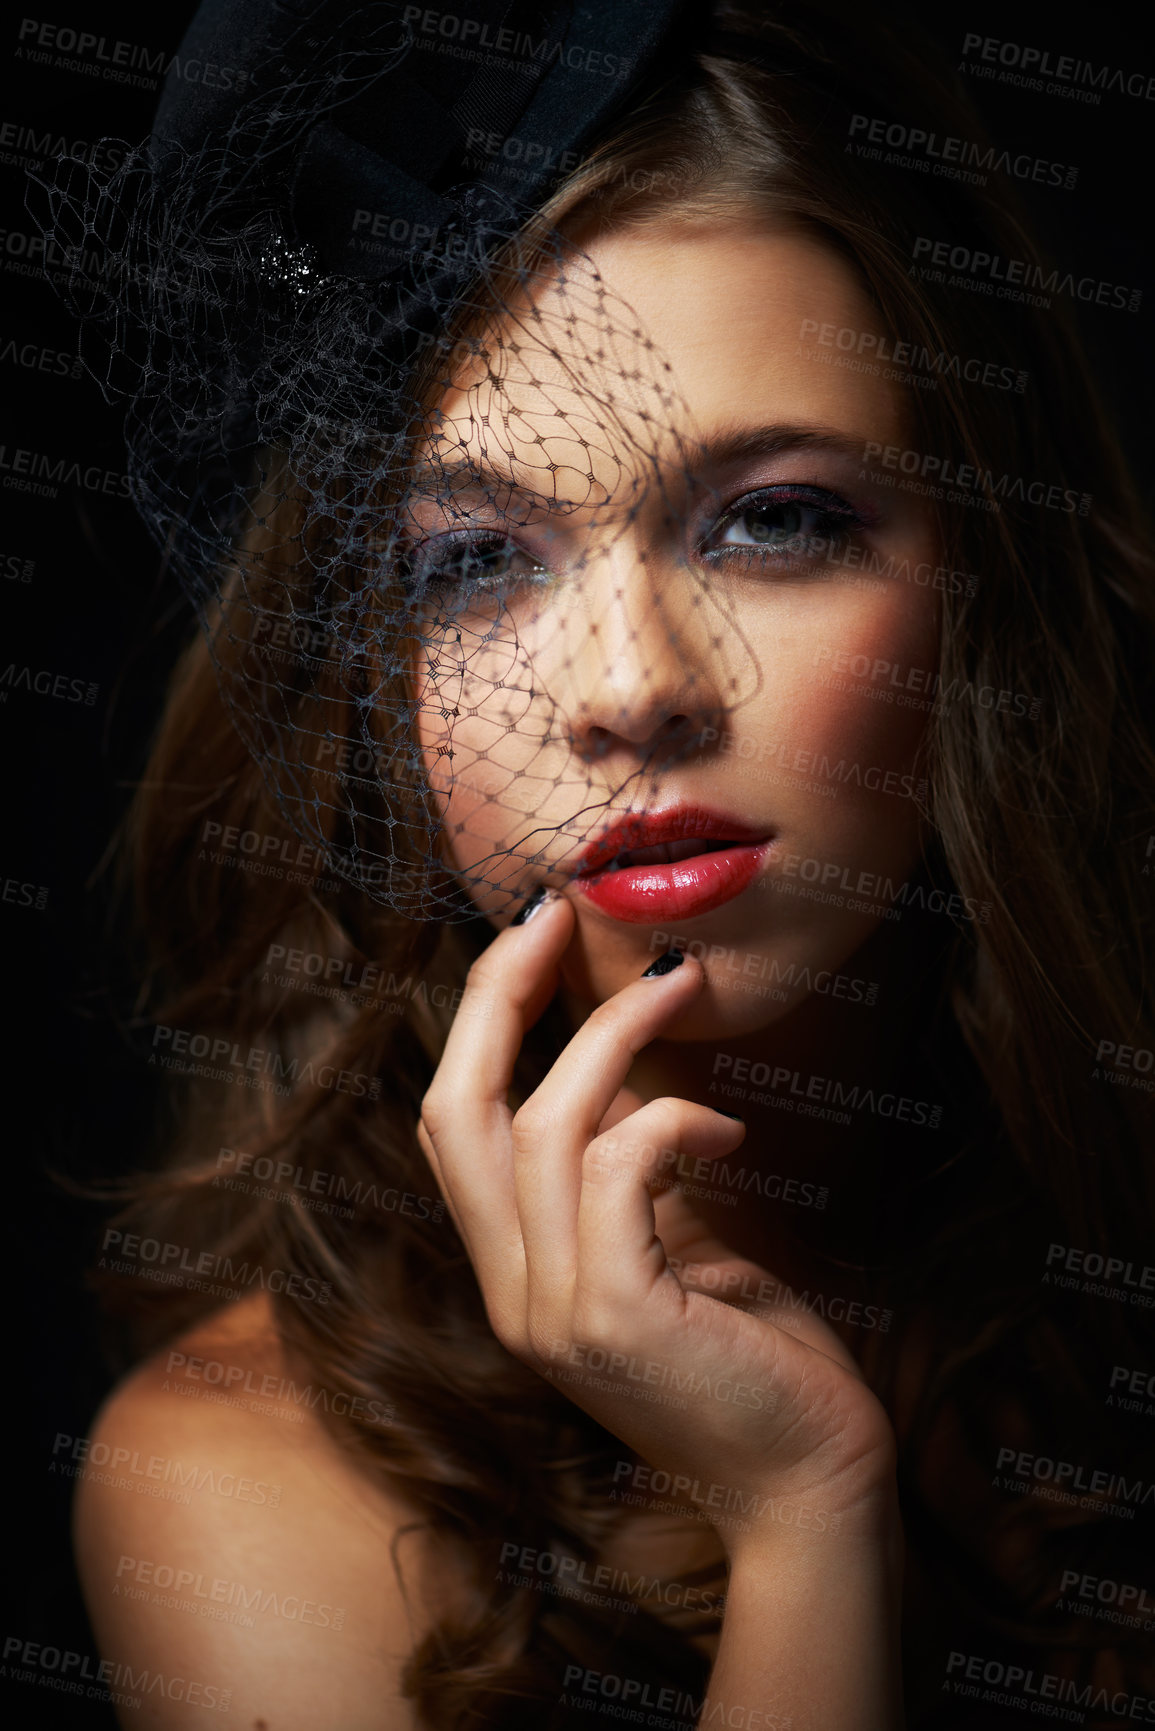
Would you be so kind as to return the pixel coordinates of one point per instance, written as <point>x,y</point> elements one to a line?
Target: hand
<point>573,1253</point>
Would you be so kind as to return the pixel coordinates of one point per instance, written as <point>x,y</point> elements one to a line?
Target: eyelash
<point>441,550</point>
<point>836,522</point>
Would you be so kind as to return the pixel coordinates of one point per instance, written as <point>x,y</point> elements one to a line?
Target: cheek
<point>860,684</point>
<point>479,734</point>
<point>845,704</point>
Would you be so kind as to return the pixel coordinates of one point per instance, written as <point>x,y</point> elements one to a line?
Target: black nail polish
<point>733,1115</point>
<point>665,964</point>
<point>532,904</point>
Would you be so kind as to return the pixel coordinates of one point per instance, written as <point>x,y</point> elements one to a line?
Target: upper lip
<point>637,830</point>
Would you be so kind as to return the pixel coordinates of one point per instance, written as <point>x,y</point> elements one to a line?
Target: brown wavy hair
<point>1044,817</point>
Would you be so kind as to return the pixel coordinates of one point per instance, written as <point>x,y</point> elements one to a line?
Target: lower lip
<point>649,894</point>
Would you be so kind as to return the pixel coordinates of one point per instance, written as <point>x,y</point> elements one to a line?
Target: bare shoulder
<point>234,1556</point>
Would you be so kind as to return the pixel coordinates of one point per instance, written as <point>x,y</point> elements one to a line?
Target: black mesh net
<point>403,503</point>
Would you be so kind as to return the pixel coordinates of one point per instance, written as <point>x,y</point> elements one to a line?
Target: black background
<point>78,1098</point>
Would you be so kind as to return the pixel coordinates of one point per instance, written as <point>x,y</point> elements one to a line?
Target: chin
<point>722,1010</point>
<point>721,1014</point>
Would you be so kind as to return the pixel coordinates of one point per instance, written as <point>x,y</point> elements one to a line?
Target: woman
<point>747,713</point>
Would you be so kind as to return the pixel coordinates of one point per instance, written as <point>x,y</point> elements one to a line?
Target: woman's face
<point>664,589</point>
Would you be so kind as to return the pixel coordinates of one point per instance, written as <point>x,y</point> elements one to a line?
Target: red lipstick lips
<point>657,866</point>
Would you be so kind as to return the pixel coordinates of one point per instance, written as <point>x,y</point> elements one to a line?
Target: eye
<point>470,560</point>
<point>782,523</point>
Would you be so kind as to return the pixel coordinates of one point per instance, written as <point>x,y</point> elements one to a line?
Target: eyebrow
<point>723,450</point>
<point>742,443</point>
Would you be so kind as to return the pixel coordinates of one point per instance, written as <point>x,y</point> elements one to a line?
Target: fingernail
<point>533,904</point>
<point>665,964</point>
<point>733,1115</point>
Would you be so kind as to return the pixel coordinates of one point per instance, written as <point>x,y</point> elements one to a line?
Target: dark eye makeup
<point>788,524</point>
<point>480,559</point>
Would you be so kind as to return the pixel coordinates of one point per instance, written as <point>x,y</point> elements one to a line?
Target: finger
<point>624,1102</point>
<point>425,1143</point>
<point>620,1256</point>
<point>465,1118</point>
<point>686,1236</point>
<point>553,1129</point>
<point>703,1263</point>
<point>505,985</point>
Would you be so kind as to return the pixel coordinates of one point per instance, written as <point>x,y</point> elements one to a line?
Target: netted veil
<point>385,421</point>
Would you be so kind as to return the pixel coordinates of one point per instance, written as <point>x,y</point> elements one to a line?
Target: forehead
<point>655,341</point>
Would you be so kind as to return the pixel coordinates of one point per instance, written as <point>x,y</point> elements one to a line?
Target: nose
<point>639,670</point>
